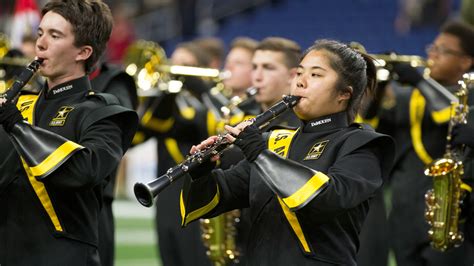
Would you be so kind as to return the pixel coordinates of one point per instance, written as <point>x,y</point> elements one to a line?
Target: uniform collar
<point>324,123</point>
<point>71,87</point>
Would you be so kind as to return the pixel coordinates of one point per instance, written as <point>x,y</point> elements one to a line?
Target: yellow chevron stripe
<point>27,109</point>
<point>43,196</point>
<point>301,195</point>
<point>295,225</point>
<point>56,157</point>
<point>187,218</point>
<point>279,142</point>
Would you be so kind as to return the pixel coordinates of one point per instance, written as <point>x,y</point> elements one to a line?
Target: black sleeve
<point>88,167</point>
<point>216,193</point>
<point>353,179</point>
<point>122,92</point>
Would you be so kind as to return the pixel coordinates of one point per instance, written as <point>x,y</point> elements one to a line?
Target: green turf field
<point>135,237</point>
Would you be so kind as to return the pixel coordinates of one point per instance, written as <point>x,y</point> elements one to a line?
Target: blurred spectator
<point>123,34</point>
<point>214,47</point>
<point>27,47</point>
<point>239,63</point>
<point>413,13</point>
<point>190,54</point>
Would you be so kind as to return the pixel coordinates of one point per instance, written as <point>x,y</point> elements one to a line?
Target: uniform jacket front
<point>54,220</point>
<point>350,165</point>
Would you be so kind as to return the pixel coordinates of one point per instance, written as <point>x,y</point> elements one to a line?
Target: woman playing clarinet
<point>308,188</point>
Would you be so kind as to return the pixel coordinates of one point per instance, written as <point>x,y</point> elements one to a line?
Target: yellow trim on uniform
<point>211,124</point>
<point>466,187</point>
<point>417,109</point>
<point>247,117</point>
<point>27,111</point>
<point>442,116</point>
<point>38,186</point>
<point>188,113</point>
<point>55,158</point>
<point>173,150</point>
<point>43,196</point>
<point>138,138</point>
<point>235,119</point>
<point>373,122</point>
<point>146,117</point>
<point>182,209</point>
<point>295,225</point>
<point>159,125</point>
<point>307,190</point>
<point>280,140</point>
<point>186,219</point>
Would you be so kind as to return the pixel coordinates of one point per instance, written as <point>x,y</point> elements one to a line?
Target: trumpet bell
<point>383,62</point>
<point>141,60</point>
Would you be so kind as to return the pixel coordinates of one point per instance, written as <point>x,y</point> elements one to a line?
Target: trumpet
<point>14,61</point>
<point>383,62</point>
<point>145,193</point>
<point>146,61</point>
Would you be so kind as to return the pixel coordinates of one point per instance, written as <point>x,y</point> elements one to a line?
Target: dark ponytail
<point>371,73</point>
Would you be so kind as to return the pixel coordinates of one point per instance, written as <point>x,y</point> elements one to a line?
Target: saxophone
<point>219,233</point>
<point>443,200</point>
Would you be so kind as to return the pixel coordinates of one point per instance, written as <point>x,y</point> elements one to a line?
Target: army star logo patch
<point>316,151</point>
<point>60,118</point>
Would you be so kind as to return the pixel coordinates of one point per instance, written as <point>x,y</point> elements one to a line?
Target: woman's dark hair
<point>91,22</point>
<point>355,69</point>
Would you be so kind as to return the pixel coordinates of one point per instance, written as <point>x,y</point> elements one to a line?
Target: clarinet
<point>145,193</point>
<point>22,80</point>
